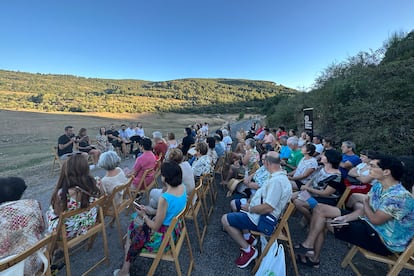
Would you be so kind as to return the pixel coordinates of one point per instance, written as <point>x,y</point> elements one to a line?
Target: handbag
<point>267,224</point>
<point>273,264</point>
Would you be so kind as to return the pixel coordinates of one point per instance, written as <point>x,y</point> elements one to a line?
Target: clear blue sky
<point>288,42</point>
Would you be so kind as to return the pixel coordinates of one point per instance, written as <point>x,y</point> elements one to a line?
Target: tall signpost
<point>308,119</point>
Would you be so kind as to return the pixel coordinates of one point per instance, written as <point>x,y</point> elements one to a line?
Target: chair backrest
<point>141,183</point>
<point>99,226</point>
<point>254,168</point>
<point>175,246</point>
<point>342,200</point>
<point>405,260</point>
<point>123,189</point>
<point>47,242</point>
<point>99,203</point>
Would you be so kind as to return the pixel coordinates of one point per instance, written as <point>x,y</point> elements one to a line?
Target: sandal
<point>301,250</point>
<point>307,262</point>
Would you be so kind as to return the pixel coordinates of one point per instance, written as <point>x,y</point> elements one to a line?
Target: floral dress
<point>75,225</point>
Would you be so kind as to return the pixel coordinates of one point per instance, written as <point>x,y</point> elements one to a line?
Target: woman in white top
<point>172,144</point>
<point>114,176</point>
<point>306,167</point>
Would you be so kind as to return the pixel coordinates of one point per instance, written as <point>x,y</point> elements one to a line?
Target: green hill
<point>47,92</point>
<point>368,99</point>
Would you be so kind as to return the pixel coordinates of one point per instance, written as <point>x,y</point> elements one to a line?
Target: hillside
<point>47,92</point>
<point>368,99</point>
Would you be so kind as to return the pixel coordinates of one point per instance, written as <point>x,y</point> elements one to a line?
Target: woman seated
<point>75,189</point>
<point>176,155</point>
<point>248,160</point>
<point>202,163</point>
<point>211,150</point>
<point>102,142</point>
<point>145,161</point>
<point>171,142</point>
<point>21,222</point>
<point>84,145</point>
<point>306,167</point>
<point>384,224</point>
<point>148,236</point>
<point>360,173</point>
<point>115,176</point>
<point>324,187</point>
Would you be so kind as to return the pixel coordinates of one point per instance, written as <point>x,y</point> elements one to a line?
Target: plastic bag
<point>273,264</point>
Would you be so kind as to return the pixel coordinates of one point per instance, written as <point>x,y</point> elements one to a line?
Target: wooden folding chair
<point>218,168</point>
<point>396,262</point>
<point>175,247</point>
<point>56,161</point>
<point>342,200</point>
<point>68,243</point>
<point>141,185</point>
<point>205,194</point>
<point>153,183</point>
<point>194,206</point>
<point>46,243</point>
<point>281,233</point>
<point>114,209</point>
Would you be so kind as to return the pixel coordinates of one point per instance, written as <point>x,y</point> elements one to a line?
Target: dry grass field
<point>26,138</point>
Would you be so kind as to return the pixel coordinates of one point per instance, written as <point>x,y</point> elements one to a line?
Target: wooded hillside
<point>368,99</point>
<point>46,92</point>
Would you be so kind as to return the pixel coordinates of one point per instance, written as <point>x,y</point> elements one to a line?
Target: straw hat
<point>232,185</point>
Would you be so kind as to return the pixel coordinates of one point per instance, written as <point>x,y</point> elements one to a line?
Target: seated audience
<point>361,172</point>
<point>383,223</point>
<point>325,186</point>
<point>349,158</point>
<point>188,140</point>
<point>227,140</point>
<point>65,143</point>
<point>76,188</point>
<point>202,164</point>
<point>148,237</point>
<point>284,148</point>
<point>21,222</point>
<point>102,142</point>
<point>140,130</point>
<point>133,136</point>
<point>160,147</point>
<point>115,139</point>
<point>306,167</point>
<point>252,183</point>
<point>176,155</point>
<point>327,143</point>
<point>270,199</point>
<point>317,142</point>
<point>84,145</point>
<point>302,139</point>
<point>219,147</point>
<point>123,134</point>
<point>211,150</point>
<point>115,176</point>
<point>269,141</point>
<point>146,160</point>
<point>295,155</point>
<point>291,133</point>
<point>249,159</point>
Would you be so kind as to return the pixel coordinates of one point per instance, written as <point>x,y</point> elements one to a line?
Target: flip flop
<point>300,249</point>
<point>307,262</point>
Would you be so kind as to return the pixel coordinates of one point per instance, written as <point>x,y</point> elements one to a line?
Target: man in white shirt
<point>227,140</point>
<point>271,198</point>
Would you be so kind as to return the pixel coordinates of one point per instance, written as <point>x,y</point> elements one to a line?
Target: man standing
<point>271,198</point>
<point>349,158</point>
<point>65,143</point>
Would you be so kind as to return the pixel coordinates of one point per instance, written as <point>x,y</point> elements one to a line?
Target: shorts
<point>241,220</point>
<point>360,233</point>
<point>312,202</point>
<point>238,203</point>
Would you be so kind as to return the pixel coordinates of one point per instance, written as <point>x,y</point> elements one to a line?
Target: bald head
<point>273,157</point>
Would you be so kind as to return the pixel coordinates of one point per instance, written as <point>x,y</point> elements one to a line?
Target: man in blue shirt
<point>349,158</point>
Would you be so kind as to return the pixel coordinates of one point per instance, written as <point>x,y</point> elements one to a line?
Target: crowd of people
<point>271,168</point>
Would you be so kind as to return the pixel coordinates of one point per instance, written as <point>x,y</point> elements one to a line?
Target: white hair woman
<point>114,176</point>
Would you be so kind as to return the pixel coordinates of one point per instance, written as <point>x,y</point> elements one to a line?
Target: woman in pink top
<point>145,161</point>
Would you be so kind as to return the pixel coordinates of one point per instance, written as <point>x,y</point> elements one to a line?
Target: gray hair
<point>349,144</point>
<point>251,142</point>
<point>109,160</point>
<point>293,140</point>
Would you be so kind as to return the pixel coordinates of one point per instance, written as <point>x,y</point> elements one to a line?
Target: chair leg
<point>348,260</point>
<point>292,252</point>
<point>190,252</point>
<point>67,261</point>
